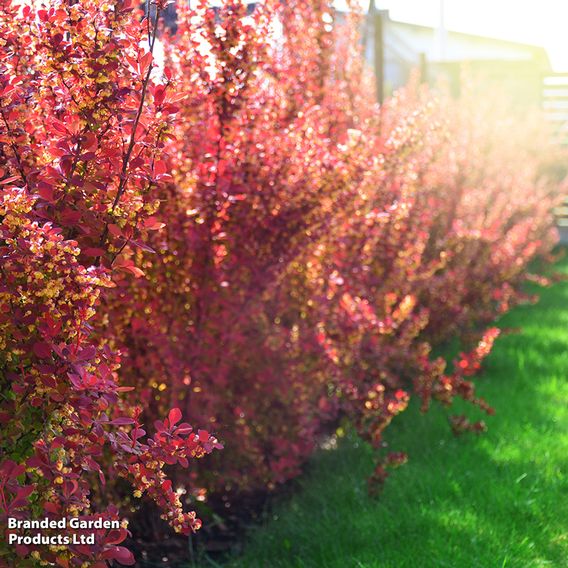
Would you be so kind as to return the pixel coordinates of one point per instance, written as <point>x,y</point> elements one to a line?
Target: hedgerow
<point>81,151</point>
<point>233,231</point>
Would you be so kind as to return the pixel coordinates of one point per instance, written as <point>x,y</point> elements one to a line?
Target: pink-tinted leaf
<point>174,416</point>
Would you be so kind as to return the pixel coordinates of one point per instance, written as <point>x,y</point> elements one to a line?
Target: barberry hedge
<point>222,224</point>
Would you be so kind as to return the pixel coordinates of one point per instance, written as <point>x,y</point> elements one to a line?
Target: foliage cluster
<point>238,232</point>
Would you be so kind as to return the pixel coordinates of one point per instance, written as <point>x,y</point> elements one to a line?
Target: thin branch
<point>132,142</point>
<point>14,148</point>
<point>152,35</point>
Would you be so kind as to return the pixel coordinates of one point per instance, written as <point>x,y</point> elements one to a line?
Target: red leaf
<point>145,62</point>
<point>174,416</point>
<point>21,499</point>
<point>134,270</point>
<point>152,224</point>
<point>160,167</point>
<point>50,507</point>
<point>90,142</point>
<point>115,230</point>
<point>116,536</point>
<point>184,429</point>
<point>137,433</point>
<point>120,554</point>
<point>58,126</point>
<point>11,470</point>
<point>128,265</point>
<point>159,94</point>
<point>94,252</point>
<point>9,180</point>
<point>45,191</point>
<point>122,421</point>
<point>42,349</point>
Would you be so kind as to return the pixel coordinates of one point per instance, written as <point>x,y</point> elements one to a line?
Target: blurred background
<point>520,46</point>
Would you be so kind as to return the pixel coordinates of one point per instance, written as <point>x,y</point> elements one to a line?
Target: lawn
<point>495,500</point>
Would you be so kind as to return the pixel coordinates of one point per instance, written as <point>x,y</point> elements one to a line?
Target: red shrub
<point>81,151</point>
<point>315,245</point>
<point>240,232</point>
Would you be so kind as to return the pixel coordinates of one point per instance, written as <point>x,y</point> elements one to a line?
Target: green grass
<point>496,500</point>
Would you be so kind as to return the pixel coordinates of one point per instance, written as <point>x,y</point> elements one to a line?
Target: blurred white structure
<point>438,52</point>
